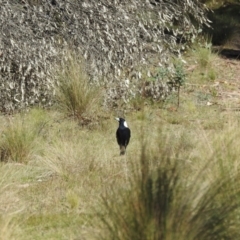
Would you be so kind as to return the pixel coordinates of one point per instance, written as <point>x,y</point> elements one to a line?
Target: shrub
<point>111,35</point>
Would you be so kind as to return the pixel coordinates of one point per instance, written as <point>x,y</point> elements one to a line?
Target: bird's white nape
<point>125,124</point>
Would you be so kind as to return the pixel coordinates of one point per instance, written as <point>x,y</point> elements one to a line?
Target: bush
<point>117,39</point>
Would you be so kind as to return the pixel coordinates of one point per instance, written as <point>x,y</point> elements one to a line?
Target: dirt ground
<point>228,82</point>
<point>224,90</point>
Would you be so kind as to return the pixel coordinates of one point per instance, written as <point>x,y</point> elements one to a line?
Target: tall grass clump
<point>203,56</point>
<point>19,138</point>
<point>75,95</point>
<point>164,204</point>
<point>202,61</point>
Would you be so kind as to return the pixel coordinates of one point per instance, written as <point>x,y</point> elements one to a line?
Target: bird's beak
<point>117,119</point>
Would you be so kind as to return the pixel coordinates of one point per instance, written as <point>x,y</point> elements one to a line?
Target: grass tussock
<point>202,59</point>
<point>19,138</point>
<point>162,203</point>
<point>203,56</point>
<point>75,95</point>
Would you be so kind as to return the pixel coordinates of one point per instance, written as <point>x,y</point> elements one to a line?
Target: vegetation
<point>214,4</point>
<point>61,173</point>
<point>118,39</point>
<point>224,19</point>
<point>19,136</point>
<point>162,204</point>
<point>180,179</point>
<point>75,95</point>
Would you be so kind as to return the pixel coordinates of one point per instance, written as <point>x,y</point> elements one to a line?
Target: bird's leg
<point>122,150</point>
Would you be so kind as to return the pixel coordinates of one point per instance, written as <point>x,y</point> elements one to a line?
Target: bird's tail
<point>122,150</point>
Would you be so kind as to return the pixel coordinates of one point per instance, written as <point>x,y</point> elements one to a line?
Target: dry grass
<point>21,136</point>
<point>74,184</point>
<point>75,95</point>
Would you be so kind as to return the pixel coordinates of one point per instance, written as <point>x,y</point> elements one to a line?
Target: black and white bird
<point>123,135</point>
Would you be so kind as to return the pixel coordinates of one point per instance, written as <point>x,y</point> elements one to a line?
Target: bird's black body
<point>123,135</point>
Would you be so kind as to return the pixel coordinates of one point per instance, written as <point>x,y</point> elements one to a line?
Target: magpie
<point>123,135</point>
